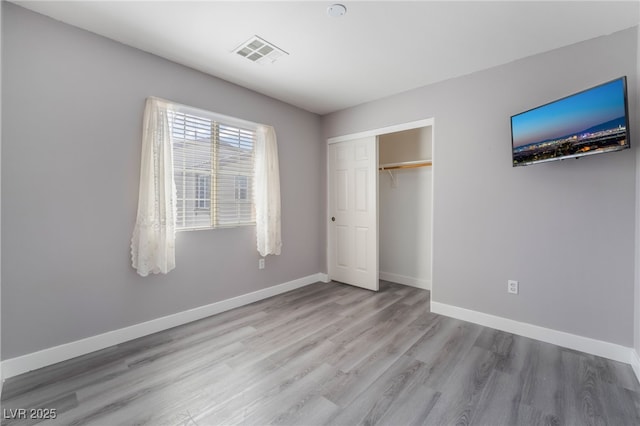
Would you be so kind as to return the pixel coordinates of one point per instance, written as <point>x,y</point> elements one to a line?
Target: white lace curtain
<point>153,241</point>
<point>267,192</point>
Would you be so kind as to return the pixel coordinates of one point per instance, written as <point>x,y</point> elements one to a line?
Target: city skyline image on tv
<point>585,123</point>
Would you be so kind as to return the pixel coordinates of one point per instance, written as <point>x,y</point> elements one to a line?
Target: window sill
<point>208,228</point>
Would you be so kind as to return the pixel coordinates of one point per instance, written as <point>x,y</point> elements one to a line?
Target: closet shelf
<point>405,165</point>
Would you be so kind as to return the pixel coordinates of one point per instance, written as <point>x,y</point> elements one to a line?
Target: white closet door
<point>353,214</point>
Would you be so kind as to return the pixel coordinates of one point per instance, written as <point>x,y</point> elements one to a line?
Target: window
<point>242,188</point>
<point>203,192</point>
<point>213,163</point>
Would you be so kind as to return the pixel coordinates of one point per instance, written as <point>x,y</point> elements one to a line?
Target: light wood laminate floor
<point>332,354</point>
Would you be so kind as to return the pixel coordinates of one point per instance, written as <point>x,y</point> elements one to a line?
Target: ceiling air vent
<point>259,50</point>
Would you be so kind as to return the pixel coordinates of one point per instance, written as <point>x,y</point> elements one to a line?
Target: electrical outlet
<point>260,263</point>
<point>512,286</point>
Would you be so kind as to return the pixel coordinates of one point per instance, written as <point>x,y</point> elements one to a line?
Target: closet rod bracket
<point>394,184</point>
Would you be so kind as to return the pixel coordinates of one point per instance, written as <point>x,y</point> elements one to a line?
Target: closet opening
<point>405,205</point>
<point>380,206</point>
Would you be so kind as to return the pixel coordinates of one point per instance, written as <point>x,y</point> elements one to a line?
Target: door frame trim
<point>383,130</point>
<point>377,132</point>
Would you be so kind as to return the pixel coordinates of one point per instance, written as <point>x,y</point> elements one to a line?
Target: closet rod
<point>406,166</point>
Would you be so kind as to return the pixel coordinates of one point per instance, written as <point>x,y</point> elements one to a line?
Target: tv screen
<point>589,122</point>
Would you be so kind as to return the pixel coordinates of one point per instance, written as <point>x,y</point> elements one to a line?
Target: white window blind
<point>213,163</point>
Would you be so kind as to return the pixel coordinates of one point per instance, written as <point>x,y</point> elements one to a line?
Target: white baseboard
<point>635,363</point>
<point>572,341</point>
<point>22,364</point>
<point>402,279</point>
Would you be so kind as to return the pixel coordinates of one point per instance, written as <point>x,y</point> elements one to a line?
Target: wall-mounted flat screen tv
<point>590,122</point>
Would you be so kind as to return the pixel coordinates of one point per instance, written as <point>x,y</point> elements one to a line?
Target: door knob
<point>333,219</point>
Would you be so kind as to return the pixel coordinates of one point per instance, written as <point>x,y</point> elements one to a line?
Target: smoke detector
<point>336,10</point>
<point>259,50</point>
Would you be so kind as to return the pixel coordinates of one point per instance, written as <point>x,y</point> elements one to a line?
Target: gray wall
<point>1,18</point>
<point>565,230</point>
<point>72,105</point>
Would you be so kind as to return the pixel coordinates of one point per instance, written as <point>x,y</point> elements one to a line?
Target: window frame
<point>213,173</point>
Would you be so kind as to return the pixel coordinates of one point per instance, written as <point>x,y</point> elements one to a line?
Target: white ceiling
<point>377,49</point>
